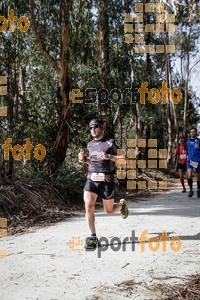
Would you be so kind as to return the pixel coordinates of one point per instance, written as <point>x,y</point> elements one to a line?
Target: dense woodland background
<point>80,44</point>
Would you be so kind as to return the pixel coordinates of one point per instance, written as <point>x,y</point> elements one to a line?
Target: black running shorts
<point>182,166</point>
<point>103,189</point>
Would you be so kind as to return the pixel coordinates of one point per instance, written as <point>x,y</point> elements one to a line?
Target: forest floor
<point>50,263</point>
<point>33,203</point>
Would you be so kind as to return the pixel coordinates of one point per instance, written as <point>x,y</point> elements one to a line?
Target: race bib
<point>194,164</point>
<point>183,156</point>
<point>98,177</point>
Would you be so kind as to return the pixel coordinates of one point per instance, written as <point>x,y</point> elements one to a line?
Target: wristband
<point>84,160</point>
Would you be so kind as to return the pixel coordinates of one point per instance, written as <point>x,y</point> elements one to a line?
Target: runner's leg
<point>108,201</point>
<point>90,200</point>
<point>190,182</point>
<point>198,181</point>
<point>189,176</point>
<point>110,207</point>
<point>181,174</point>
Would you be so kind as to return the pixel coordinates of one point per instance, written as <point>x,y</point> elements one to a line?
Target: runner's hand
<point>102,155</point>
<point>81,155</point>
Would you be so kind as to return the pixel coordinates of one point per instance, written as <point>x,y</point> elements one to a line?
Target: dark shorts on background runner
<point>103,189</point>
<point>191,167</point>
<point>182,166</point>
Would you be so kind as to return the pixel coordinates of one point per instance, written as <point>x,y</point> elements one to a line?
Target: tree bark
<point>61,67</point>
<point>104,59</point>
<point>147,42</point>
<point>23,91</point>
<point>186,93</point>
<point>169,117</point>
<point>104,42</point>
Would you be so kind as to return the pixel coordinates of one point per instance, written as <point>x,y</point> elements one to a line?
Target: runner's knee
<point>89,205</point>
<point>108,211</point>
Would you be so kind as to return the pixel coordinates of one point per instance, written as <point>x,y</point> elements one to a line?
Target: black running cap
<point>94,122</point>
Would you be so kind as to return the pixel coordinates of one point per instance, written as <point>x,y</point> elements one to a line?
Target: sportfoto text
<point>153,95</point>
<point>153,243</point>
<point>23,22</point>
<point>17,151</point>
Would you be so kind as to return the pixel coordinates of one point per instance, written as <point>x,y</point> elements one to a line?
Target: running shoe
<point>198,193</point>
<point>92,243</point>
<point>191,193</point>
<point>124,210</point>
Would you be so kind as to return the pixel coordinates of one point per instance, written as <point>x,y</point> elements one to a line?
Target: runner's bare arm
<point>82,157</point>
<point>87,160</point>
<point>114,158</point>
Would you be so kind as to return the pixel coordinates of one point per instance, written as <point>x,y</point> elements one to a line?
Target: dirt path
<point>41,265</point>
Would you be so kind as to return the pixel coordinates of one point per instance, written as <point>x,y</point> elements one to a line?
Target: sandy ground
<point>41,265</point>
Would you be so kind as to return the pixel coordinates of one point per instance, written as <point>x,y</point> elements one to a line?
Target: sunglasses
<point>95,126</point>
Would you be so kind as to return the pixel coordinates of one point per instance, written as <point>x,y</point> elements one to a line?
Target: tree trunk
<point>147,42</point>
<point>61,143</point>
<point>104,42</point>
<point>147,136</point>
<point>174,118</point>
<point>169,118</point>
<point>186,93</point>
<point>12,114</point>
<point>173,110</point>
<point>104,59</point>
<point>23,92</point>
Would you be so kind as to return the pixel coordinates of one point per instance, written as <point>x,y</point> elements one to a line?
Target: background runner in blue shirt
<point>193,160</point>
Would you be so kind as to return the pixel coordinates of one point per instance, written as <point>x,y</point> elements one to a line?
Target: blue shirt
<point>193,152</point>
